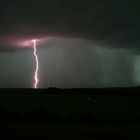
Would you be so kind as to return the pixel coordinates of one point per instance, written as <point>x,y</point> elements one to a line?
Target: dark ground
<point>84,114</point>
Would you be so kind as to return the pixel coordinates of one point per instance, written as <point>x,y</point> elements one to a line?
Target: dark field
<point>70,114</point>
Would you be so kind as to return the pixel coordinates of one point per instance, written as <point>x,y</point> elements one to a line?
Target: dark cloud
<point>87,42</point>
<point>111,23</point>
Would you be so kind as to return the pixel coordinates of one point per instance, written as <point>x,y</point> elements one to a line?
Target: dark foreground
<point>108,114</point>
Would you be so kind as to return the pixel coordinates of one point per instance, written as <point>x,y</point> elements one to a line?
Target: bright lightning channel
<point>37,64</point>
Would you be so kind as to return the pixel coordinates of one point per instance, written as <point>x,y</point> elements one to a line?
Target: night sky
<point>82,44</point>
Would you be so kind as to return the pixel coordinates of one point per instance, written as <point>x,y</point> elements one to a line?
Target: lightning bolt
<point>37,65</point>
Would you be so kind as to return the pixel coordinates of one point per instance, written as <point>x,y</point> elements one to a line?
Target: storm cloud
<point>108,23</point>
<point>82,44</point>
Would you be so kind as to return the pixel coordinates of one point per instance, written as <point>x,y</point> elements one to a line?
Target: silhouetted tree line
<point>122,91</point>
<point>53,90</point>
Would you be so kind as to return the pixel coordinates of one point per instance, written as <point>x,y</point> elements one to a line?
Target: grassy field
<point>83,131</point>
<point>103,116</point>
